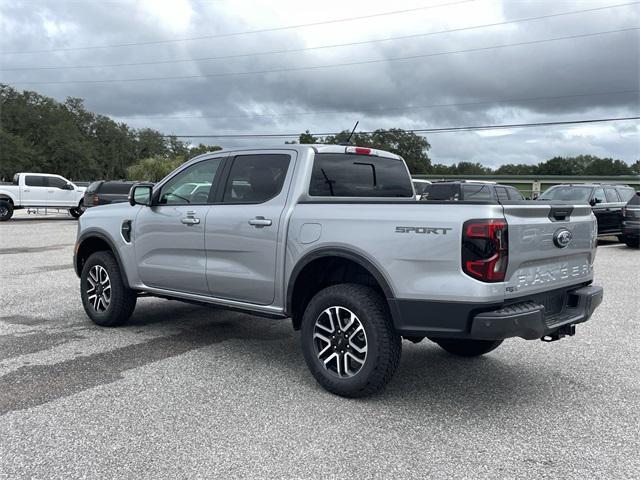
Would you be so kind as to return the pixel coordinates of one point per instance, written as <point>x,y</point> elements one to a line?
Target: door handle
<point>260,222</point>
<point>190,221</point>
<point>26,190</point>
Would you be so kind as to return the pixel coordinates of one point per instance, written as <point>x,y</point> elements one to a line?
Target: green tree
<point>635,168</point>
<point>153,169</point>
<point>202,148</point>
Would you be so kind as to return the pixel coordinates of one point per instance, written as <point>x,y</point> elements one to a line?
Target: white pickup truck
<point>33,190</point>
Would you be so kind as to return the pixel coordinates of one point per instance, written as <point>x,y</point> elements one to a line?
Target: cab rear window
<point>345,175</point>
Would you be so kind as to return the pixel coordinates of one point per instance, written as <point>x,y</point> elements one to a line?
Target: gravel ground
<point>191,392</point>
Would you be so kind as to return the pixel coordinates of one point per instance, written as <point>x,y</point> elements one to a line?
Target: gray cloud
<point>370,93</point>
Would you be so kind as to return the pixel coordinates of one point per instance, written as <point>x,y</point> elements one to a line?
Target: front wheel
<point>632,242</point>
<point>467,348</point>
<point>105,297</point>
<point>348,340</point>
<point>6,210</point>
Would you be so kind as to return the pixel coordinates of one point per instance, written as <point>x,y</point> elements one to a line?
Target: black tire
<point>632,242</point>
<point>622,238</point>
<point>121,299</point>
<point>78,211</point>
<point>6,210</point>
<point>383,344</point>
<point>467,348</point>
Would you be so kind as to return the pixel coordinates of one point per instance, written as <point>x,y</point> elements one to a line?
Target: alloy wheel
<point>340,341</point>
<point>98,288</point>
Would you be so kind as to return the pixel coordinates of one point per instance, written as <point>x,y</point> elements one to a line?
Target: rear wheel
<point>348,340</point>
<point>467,348</point>
<point>632,242</point>
<point>105,297</point>
<point>6,210</point>
<point>79,210</point>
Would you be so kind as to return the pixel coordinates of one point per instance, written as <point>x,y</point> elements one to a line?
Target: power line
<point>318,67</point>
<point>384,110</point>
<point>420,130</point>
<point>337,45</point>
<point>246,32</point>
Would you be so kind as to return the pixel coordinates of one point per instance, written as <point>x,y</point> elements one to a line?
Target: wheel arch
<point>93,241</point>
<point>341,257</point>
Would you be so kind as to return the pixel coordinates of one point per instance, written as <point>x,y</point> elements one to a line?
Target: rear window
<point>568,194</point>
<point>344,175</point>
<point>35,181</point>
<point>514,194</point>
<point>93,186</point>
<point>116,187</point>
<point>501,192</point>
<point>442,191</point>
<point>476,192</point>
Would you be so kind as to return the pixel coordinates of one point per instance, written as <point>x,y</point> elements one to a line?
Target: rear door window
<point>346,175</point>
<point>476,192</point>
<point>35,181</point>
<point>502,194</point>
<point>625,194</point>
<point>611,195</point>
<point>256,178</point>
<point>116,188</point>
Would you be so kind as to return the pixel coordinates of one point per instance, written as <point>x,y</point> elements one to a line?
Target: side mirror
<point>67,186</point>
<point>594,201</point>
<point>140,195</point>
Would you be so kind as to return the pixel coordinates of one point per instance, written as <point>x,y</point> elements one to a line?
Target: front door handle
<point>260,222</point>
<point>190,221</point>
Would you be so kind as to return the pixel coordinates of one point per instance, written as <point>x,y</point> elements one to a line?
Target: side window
<point>598,195</point>
<point>55,182</point>
<point>35,181</point>
<point>476,192</point>
<point>611,195</point>
<point>501,192</point>
<point>514,194</point>
<point>191,186</point>
<point>625,194</point>
<point>255,178</point>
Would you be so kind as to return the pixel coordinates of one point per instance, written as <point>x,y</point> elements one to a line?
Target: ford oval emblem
<point>562,238</point>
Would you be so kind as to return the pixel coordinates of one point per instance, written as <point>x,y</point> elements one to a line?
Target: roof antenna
<point>348,142</point>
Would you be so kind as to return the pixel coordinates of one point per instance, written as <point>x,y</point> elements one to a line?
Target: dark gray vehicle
<point>631,222</point>
<point>460,190</point>
<point>333,238</point>
<point>606,201</point>
<point>106,192</point>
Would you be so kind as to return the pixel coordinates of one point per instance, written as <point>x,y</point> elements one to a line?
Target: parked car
<point>106,192</point>
<point>40,190</point>
<point>333,238</point>
<point>419,186</point>
<point>460,190</point>
<point>631,222</point>
<point>606,201</point>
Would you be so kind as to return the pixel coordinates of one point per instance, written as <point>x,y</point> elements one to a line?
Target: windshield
<point>570,194</point>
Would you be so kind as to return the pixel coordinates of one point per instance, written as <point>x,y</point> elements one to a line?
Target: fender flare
<point>98,234</point>
<point>341,252</point>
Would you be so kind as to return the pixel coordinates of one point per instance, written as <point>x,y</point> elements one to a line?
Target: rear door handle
<point>260,222</point>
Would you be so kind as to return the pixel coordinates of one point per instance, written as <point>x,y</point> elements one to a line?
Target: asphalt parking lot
<point>190,392</point>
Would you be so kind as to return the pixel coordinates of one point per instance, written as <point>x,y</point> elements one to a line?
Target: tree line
<point>40,134</point>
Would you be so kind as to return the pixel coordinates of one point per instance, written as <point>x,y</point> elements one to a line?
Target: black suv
<point>470,190</point>
<point>105,192</point>
<point>631,222</point>
<point>606,200</point>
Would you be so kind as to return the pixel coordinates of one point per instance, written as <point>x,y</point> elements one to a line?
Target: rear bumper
<point>631,228</point>
<point>527,318</point>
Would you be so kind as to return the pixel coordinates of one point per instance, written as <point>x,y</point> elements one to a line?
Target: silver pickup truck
<point>333,238</point>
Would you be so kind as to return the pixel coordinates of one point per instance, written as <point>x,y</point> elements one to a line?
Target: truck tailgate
<point>550,246</point>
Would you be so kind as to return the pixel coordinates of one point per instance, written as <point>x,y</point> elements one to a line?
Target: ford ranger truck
<point>333,238</point>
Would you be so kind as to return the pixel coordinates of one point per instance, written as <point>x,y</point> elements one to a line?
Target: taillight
<point>96,200</point>
<point>485,249</point>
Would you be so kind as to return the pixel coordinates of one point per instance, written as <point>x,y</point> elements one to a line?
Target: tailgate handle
<point>560,214</point>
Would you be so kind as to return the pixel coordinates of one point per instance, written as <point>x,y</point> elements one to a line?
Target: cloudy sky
<point>286,68</point>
